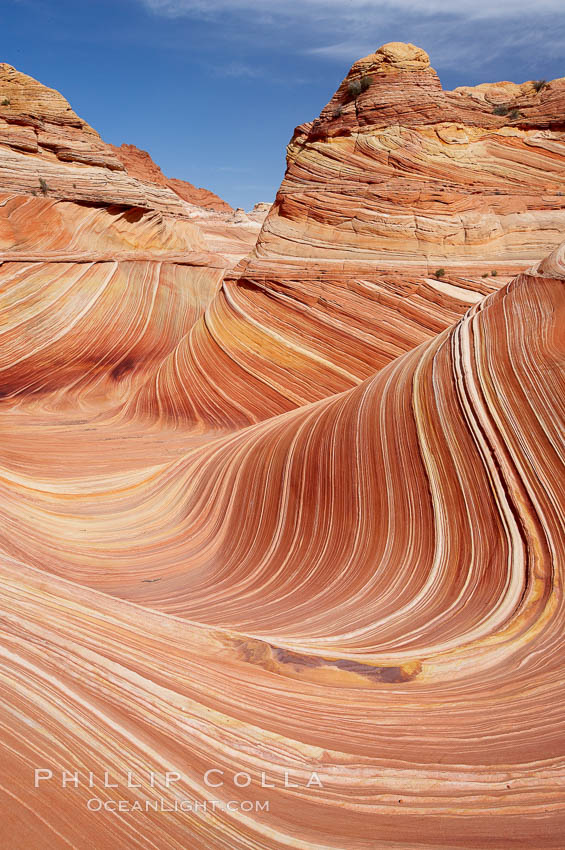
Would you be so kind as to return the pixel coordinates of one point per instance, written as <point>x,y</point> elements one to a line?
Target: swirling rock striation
<point>230,233</point>
<point>45,147</point>
<point>369,588</point>
<point>103,266</point>
<point>305,524</point>
<point>397,180</point>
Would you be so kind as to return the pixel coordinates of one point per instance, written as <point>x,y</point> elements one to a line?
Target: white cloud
<point>342,50</point>
<point>236,69</point>
<point>350,10</point>
<point>475,33</point>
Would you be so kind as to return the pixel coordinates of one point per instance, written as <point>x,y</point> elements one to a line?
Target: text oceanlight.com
<point>95,804</point>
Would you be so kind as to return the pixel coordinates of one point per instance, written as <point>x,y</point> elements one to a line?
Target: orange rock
<point>38,121</point>
<point>396,180</point>
<point>231,234</point>
<point>367,589</point>
<point>300,524</point>
<point>139,164</point>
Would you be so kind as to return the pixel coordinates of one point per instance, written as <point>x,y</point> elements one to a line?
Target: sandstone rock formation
<point>300,520</point>
<point>232,234</point>
<point>139,164</point>
<point>38,120</point>
<point>44,149</point>
<point>396,180</point>
<point>368,588</point>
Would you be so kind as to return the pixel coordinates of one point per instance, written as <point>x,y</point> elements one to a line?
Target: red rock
<point>367,588</point>
<point>364,583</point>
<point>406,180</point>
<point>139,164</point>
<point>39,121</point>
<point>199,197</point>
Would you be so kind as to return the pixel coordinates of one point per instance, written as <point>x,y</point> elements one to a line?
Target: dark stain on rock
<point>285,656</point>
<point>377,674</point>
<point>123,368</point>
<point>280,660</point>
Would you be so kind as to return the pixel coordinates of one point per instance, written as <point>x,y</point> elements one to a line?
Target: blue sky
<point>213,88</point>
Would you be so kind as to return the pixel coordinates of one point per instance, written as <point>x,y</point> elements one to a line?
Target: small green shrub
<point>539,84</point>
<point>43,186</point>
<point>493,273</point>
<point>5,101</point>
<point>514,115</point>
<point>354,88</point>
<point>501,109</point>
<point>439,273</point>
<point>338,112</point>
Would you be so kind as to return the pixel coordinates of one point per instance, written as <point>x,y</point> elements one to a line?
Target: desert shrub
<point>501,109</point>
<point>539,84</point>
<point>439,273</point>
<point>493,273</point>
<point>43,186</point>
<point>354,88</point>
<point>338,112</point>
<point>5,101</point>
<point>514,115</point>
